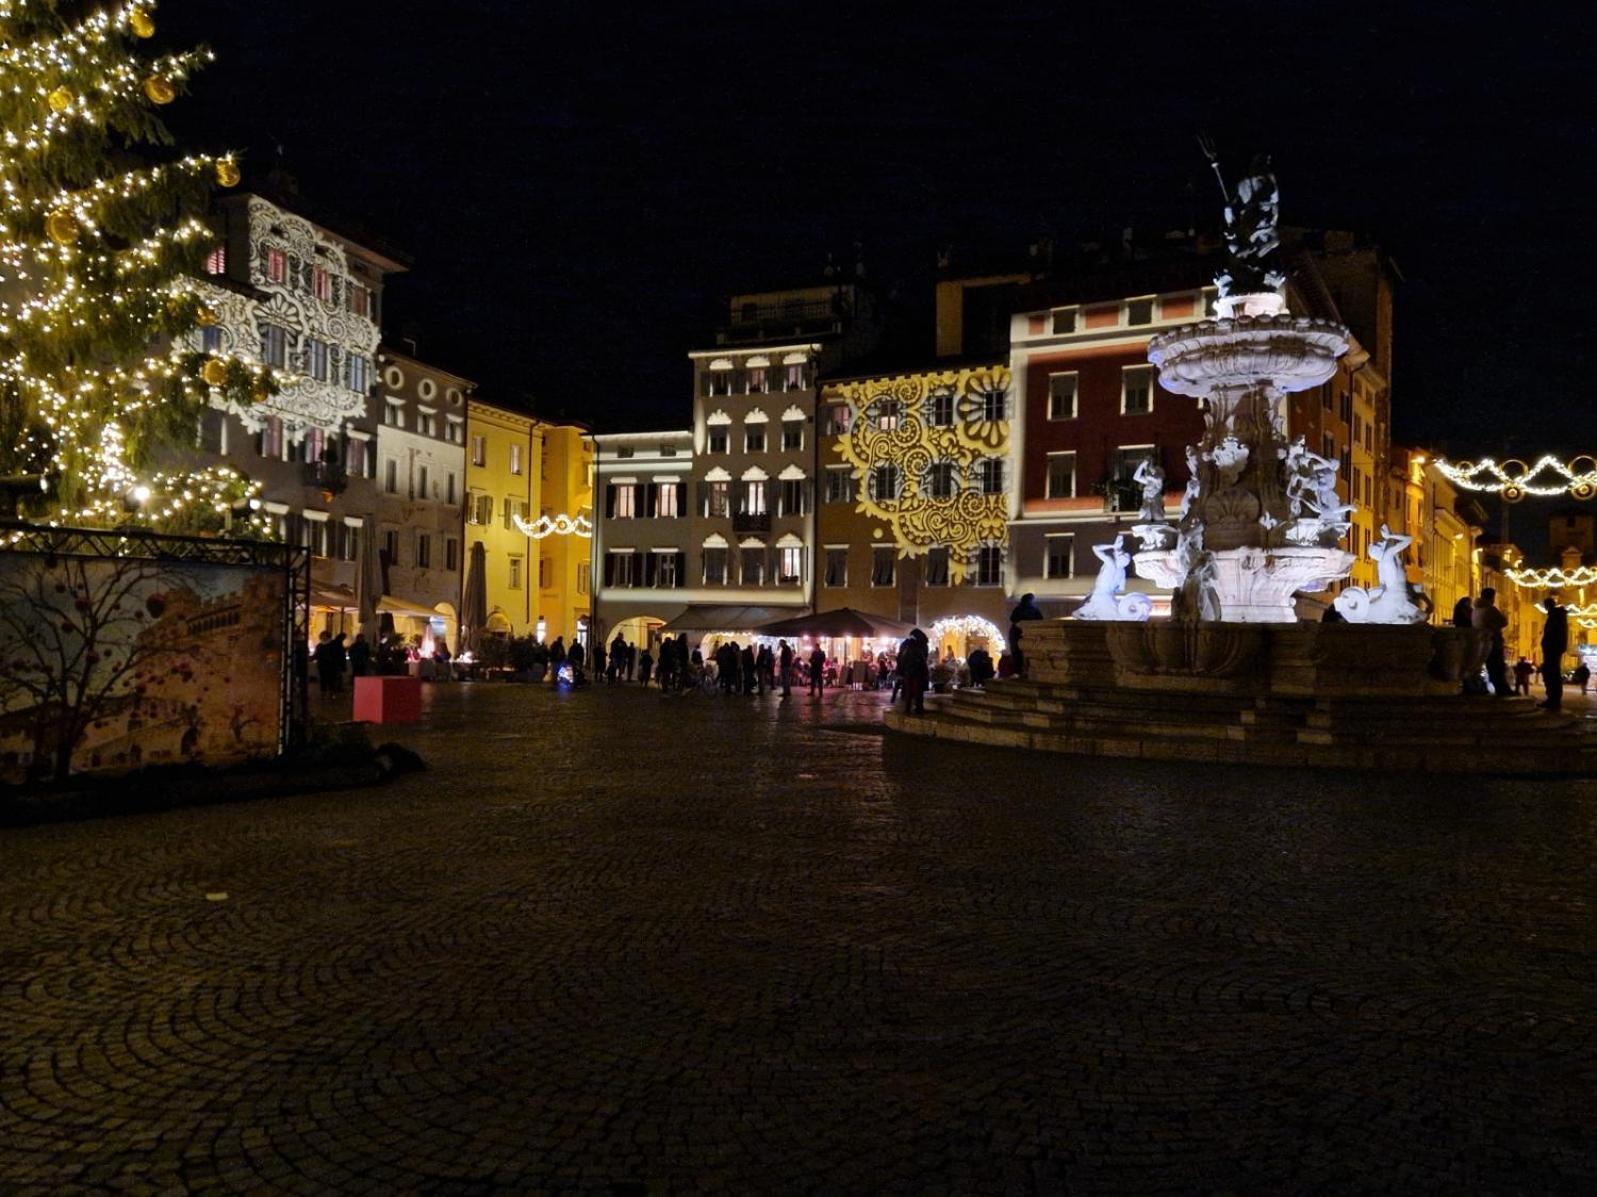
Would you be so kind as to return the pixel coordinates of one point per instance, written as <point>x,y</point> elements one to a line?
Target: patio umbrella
<point>474,600</point>
<point>845,621</point>
<point>370,584</point>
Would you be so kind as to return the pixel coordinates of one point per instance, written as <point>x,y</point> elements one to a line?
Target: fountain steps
<point>1435,734</point>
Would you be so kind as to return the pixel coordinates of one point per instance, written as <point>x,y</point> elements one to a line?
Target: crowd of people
<point>1482,613</point>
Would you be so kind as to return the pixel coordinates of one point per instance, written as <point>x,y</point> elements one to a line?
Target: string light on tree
<point>1513,479</point>
<point>101,238</point>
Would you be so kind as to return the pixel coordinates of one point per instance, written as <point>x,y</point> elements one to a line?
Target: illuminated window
<point>753,498</point>
<point>1061,476</point>
<point>1060,561</point>
<point>838,417</point>
<point>717,498</point>
<point>454,430</point>
<point>789,565</point>
<point>940,408</point>
<point>485,509</point>
<point>359,374</point>
<point>358,298</point>
<point>1062,396</point>
<point>216,260</point>
<point>882,558</point>
<point>321,284</point>
<point>795,377</point>
<point>623,501</point>
<point>274,345</point>
<point>479,451</point>
<point>316,359</point>
<point>394,413</point>
<point>515,459</point>
<point>276,266</point>
<point>426,423</point>
<point>669,501</point>
<point>1136,393</point>
<point>758,383</point>
<point>886,413</point>
<point>211,339</point>
<point>941,482</point>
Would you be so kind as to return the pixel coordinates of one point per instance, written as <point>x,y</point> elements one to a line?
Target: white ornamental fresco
<point>304,402</point>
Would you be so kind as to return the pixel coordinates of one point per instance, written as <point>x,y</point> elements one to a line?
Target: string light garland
<point>1513,479</point>
<point>560,525</point>
<point>98,279</point>
<point>1553,577</point>
<point>967,626</point>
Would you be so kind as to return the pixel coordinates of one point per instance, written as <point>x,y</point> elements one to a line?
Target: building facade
<point>643,482</point>
<point>421,497</point>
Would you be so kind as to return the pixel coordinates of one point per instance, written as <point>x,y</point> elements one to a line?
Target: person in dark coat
<point>1464,613</point>
<point>765,668</point>
<point>1025,611</point>
<point>747,662</point>
<point>577,656</point>
<point>726,666</point>
<point>618,656</point>
<point>338,658</point>
<point>666,668</point>
<point>323,658</point>
<point>818,670</point>
<point>645,667</point>
<point>914,667</point>
<point>1555,642</point>
<point>360,656</point>
<point>981,666</point>
<point>557,656</point>
<point>784,662</point>
<point>599,663</point>
<point>1492,622</point>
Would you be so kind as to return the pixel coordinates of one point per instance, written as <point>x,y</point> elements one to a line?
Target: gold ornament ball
<point>204,317</point>
<point>227,173</point>
<point>62,227</point>
<point>159,90</point>
<point>142,24</point>
<point>214,372</point>
<point>60,99</point>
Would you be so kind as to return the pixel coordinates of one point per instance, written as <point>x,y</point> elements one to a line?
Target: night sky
<point>579,185</point>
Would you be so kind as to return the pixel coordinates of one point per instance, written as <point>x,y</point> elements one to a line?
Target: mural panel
<point>936,429</point>
<point>115,663</point>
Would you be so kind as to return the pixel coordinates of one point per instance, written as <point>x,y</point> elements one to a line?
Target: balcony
<point>329,477</point>
<point>751,523</point>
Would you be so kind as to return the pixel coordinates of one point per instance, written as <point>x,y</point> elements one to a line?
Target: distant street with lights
<point>741,947</point>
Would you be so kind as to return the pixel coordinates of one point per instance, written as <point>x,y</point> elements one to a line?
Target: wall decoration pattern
<point>899,421</point>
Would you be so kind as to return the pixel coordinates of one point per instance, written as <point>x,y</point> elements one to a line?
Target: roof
<point>844,621</point>
<point>387,350</point>
<point>279,190</point>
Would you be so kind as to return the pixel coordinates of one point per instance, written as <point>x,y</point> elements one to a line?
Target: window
<point>1060,561</point>
<point>479,451</point>
<point>754,438</point>
<point>940,408</point>
<point>1064,321</point>
<point>719,382</point>
<point>623,501</point>
<point>584,577</point>
<point>717,499</point>
<point>355,453</point>
<point>391,545</point>
<point>670,500</point>
<point>426,423</point>
<point>752,498</point>
<point>794,380</point>
<point>394,414</point>
<point>994,406</point>
<point>839,484</point>
<point>1139,311</point>
<point>789,565</point>
<point>882,557</point>
<point>665,569</point>
<point>1124,493</point>
<point>451,553</point>
<point>321,284</point>
<point>211,338</point>
<point>274,345</point>
<point>216,260</point>
<point>449,488</point>
<point>715,567</point>
<point>838,417</point>
<point>515,459</point>
<point>485,509</point>
<point>940,480</point>
<point>884,483</point>
<point>276,266</point>
<point>792,496</point>
<point>423,490</point>
<point>358,298</point>
<point>836,567</point>
<point>515,573</point>
<point>751,566</point>
<point>1061,476</point>
<point>543,573</point>
<point>990,476</point>
<point>720,441</point>
<point>1062,396</point>
<point>885,414</point>
<point>360,378</point>
<point>424,550</point>
<point>757,381</point>
<point>391,476</point>
<point>350,547</point>
<point>937,566</point>
<point>1136,390</point>
<point>455,431</point>
<point>989,565</point>
<point>792,435</point>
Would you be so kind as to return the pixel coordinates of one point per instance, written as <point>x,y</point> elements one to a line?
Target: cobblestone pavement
<point>618,943</point>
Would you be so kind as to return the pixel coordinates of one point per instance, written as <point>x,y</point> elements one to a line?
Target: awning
<point>389,605</point>
<point>845,621</point>
<point>334,596</point>
<point>709,617</point>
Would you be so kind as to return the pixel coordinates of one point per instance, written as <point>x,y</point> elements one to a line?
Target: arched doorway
<point>957,635</point>
<point>642,631</point>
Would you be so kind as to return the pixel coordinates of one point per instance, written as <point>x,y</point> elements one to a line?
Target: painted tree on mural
<point>77,643</point>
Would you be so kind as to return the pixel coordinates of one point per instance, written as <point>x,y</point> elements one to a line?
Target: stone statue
<point>1151,478</point>
<point>1391,601</point>
<point>1311,483</point>
<point>1106,601</point>
<point>1190,495</point>
<point>1197,598</point>
<point>1251,213</point>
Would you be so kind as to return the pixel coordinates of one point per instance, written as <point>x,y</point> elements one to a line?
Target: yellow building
<point>529,505</point>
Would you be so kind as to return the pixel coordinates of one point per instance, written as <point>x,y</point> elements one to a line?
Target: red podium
<point>387,699</point>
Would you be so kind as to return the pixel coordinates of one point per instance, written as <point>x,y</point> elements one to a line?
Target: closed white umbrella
<point>474,601</point>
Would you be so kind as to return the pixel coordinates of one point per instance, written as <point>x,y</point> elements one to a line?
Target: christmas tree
<point>102,230</point>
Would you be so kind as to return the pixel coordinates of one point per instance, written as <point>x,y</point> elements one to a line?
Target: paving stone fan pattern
<point>618,943</point>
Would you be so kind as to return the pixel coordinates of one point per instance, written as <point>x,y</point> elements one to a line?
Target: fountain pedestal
<point>1255,584</point>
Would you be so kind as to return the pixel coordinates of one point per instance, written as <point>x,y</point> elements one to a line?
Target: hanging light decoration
<point>1513,479</point>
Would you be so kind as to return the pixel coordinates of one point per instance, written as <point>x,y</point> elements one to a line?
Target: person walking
<point>338,658</point>
<point>1523,672</point>
<point>323,659</point>
<point>817,670</point>
<point>1025,611</point>
<point>360,656</point>
<point>914,668</point>
<point>784,662</point>
<point>645,667</point>
<point>1489,619</point>
<point>618,654</point>
<point>1581,676</point>
<point>1555,643</point>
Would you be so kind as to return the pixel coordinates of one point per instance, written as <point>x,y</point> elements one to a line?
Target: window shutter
<point>610,502</point>
<point>701,490</point>
<point>609,569</point>
<point>682,569</point>
<point>650,564</point>
<point>651,499</point>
